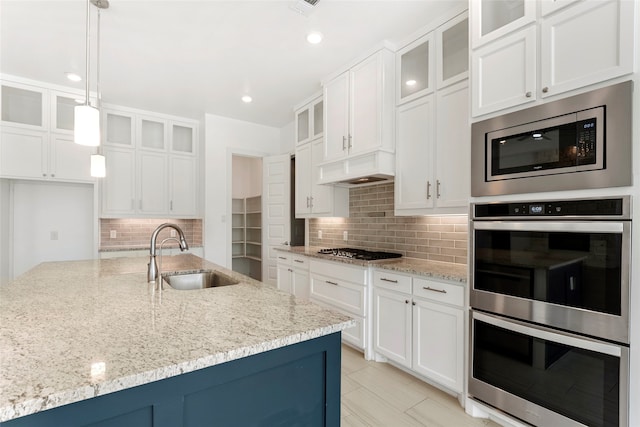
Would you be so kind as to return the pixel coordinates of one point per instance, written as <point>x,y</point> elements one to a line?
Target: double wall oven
<point>549,304</point>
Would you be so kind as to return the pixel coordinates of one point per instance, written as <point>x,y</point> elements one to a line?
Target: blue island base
<point>297,385</point>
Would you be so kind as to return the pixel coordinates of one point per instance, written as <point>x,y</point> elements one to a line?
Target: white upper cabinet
<point>492,19</point>
<point>578,43</point>
<point>414,66</point>
<point>37,136</point>
<point>586,43</point>
<point>503,73</point>
<point>118,128</point>
<point>183,138</point>
<point>309,120</point>
<point>152,134</point>
<point>452,45</point>
<point>358,106</point>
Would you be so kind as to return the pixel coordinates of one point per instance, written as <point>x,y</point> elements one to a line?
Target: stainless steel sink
<point>198,280</point>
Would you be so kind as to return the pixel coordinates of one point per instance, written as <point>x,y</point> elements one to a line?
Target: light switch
<point>113,234</point>
<point>320,234</point>
<point>345,235</point>
<point>54,235</point>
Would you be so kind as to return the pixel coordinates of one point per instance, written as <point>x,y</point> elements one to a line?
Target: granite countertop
<point>421,267</point>
<point>74,330</point>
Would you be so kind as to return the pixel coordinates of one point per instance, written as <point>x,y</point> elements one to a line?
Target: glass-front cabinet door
<point>152,134</point>
<point>303,123</point>
<point>118,128</point>
<point>24,105</point>
<point>452,40</point>
<point>414,65</point>
<point>491,19</point>
<point>62,115</point>
<point>183,136</point>
<point>318,119</point>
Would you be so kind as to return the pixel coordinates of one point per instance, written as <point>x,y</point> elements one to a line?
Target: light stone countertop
<point>420,267</point>
<point>74,330</point>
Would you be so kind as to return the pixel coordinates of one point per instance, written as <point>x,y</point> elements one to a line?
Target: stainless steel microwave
<point>579,142</point>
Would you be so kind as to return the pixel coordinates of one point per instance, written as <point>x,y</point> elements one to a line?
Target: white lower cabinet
<point>343,288</point>
<point>293,274</point>
<point>419,324</point>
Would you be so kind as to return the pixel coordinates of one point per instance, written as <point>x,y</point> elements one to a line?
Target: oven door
<point>547,377</point>
<point>569,275</point>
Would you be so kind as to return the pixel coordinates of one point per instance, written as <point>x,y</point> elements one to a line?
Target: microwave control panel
<point>558,208</point>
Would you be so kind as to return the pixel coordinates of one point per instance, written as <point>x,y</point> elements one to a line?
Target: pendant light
<point>87,118</point>
<point>98,161</point>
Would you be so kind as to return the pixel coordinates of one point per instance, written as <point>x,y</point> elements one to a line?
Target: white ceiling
<point>188,58</point>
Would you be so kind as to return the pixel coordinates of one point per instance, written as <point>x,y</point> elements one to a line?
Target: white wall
<point>246,176</point>
<point>41,209</point>
<point>223,138</point>
<point>288,138</point>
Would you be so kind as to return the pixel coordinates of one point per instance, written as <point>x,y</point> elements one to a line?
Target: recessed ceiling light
<point>73,77</point>
<point>410,82</point>
<point>246,99</point>
<point>314,37</point>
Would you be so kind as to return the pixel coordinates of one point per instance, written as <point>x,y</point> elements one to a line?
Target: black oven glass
<point>568,145</point>
<point>576,269</point>
<point>580,384</point>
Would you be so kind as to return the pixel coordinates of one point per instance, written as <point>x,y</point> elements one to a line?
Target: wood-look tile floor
<point>378,394</point>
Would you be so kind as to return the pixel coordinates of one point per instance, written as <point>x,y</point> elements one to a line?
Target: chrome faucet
<point>152,272</point>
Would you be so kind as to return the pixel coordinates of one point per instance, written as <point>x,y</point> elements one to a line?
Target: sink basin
<point>199,280</point>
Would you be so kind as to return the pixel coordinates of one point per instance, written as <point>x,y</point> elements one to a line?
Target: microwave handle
<point>571,227</point>
<point>543,333</point>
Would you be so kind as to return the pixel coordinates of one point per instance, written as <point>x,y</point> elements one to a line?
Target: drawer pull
<point>299,261</point>
<point>388,280</point>
<point>429,288</point>
<point>331,283</point>
<point>281,257</point>
<point>406,301</point>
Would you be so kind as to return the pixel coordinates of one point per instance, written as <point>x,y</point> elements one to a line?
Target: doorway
<point>246,212</point>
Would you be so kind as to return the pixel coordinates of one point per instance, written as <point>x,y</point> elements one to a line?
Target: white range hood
<point>370,167</point>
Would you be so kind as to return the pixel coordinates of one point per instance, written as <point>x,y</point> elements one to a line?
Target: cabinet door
<point>453,147</point>
<point>119,128</point>
<point>284,278</point>
<point>63,112</point>
<point>183,138</point>
<point>414,69</point>
<point>184,188</point>
<point>300,283</point>
<point>24,106</point>
<point>438,347</point>
<point>452,42</point>
<point>303,179</point>
<point>70,161</point>
<point>586,43</point>
<point>414,186</point>
<point>23,153</point>
<point>366,105</point>
<point>118,187</point>
<point>303,125</point>
<point>152,176</point>
<point>336,116</point>
<point>503,74</point>
<point>152,133</point>
<point>491,19</point>
<point>392,325</point>
<point>322,195</point>
<point>317,111</point>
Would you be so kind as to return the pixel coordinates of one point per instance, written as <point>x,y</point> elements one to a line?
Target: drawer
<point>338,270</point>
<point>342,295</point>
<point>434,290</point>
<point>300,261</point>
<point>392,281</point>
<point>283,258</point>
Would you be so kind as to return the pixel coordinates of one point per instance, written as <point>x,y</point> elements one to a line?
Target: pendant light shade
<point>98,166</point>
<point>87,125</point>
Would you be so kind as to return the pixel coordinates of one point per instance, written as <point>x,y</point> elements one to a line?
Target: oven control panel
<point>613,207</point>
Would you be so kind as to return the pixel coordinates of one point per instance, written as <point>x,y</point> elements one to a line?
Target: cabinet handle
<point>288,269</point>
<point>437,188</point>
<point>406,301</point>
<point>429,288</point>
<point>528,94</point>
<point>171,205</point>
<point>281,257</point>
<point>428,190</point>
<point>350,144</point>
<point>307,201</point>
<point>384,279</point>
<point>413,303</point>
<point>331,283</point>
<point>311,202</point>
<point>298,261</point>
<point>344,142</point>
<point>44,174</point>
<point>545,89</point>
<point>53,175</point>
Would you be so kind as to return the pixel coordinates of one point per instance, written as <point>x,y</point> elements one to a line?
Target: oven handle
<point>572,227</point>
<point>550,334</point>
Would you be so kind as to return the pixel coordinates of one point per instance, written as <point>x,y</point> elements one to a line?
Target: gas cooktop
<point>359,254</point>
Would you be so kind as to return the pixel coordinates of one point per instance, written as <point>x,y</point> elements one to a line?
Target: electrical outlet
<point>173,233</point>
<point>320,234</point>
<point>345,235</point>
<point>113,234</point>
<point>54,235</point>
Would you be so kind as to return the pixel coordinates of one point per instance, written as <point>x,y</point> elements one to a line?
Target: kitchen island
<point>91,343</point>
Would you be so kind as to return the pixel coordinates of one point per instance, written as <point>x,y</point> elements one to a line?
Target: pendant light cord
<point>88,58</point>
